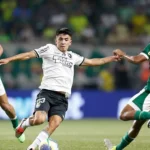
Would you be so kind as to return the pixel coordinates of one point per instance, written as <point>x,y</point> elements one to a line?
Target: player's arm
<point>99,61</point>
<point>133,59</point>
<point>21,56</point>
<point>1,50</point>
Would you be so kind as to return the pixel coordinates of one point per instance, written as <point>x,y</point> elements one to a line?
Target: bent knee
<point>123,117</point>
<point>54,123</point>
<point>39,120</point>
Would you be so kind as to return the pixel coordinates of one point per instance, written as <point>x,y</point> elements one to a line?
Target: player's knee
<point>39,120</point>
<point>123,117</point>
<point>54,123</point>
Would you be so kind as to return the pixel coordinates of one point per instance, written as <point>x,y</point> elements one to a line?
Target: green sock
<point>126,140</point>
<point>14,122</point>
<point>142,115</point>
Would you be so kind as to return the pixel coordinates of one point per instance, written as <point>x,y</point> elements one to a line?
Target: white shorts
<point>141,101</point>
<point>2,89</point>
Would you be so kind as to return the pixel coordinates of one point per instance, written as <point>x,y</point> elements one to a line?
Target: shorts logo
<point>39,102</point>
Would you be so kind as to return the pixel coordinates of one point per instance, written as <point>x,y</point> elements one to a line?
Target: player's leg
<point>37,119</point>
<point>131,135</point>
<point>40,114</point>
<point>59,105</point>
<point>127,138</point>
<point>133,111</point>
<point>54,122</point>
<point>9,109</point>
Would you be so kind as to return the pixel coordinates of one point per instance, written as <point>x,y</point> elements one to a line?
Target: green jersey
<point>146,53</point>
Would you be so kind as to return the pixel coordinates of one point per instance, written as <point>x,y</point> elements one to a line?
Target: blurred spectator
<point>80,78</point>
<point>139,20</point>
<point>102,22</point>
<point>93,72</point>
<point>119,35</point>
<point>22,12</point>
<point>121,75</point>
<point>36,75</point>
<point>144,73</point>
<point>107,21</point>
<point>48,33</point>
<point>78,22</point>
<point>3,36</point>
<point>125,13</point>
<point>7,76</point>
<point>87,35</point>
<point>7,7</point>
<point>106,80</point>
<point>26,34</point>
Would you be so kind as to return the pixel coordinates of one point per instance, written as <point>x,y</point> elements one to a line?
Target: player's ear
<point>70,42</point>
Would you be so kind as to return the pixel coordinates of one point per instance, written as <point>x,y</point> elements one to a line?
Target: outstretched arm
<point>133,59</point>
<point>99,61</point>
<point>22,56</point>
<point>1,50</point>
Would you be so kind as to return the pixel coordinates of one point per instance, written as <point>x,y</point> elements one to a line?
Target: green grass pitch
<point>77,135</point>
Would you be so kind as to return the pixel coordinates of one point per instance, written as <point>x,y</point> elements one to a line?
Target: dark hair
<point>63,31</point>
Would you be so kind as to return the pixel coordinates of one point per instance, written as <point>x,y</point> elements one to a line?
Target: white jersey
<point>2,89</point>
<point>58,68</point>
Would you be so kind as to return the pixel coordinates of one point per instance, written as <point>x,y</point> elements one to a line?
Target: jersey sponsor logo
<point>39,102</point>
<point>63,60</point>
<point>44,49</point>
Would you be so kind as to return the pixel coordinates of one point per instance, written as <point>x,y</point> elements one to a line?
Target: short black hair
<point>64,31</point>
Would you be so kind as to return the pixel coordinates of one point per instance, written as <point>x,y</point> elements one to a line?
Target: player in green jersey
<point>138,107</point>
<point>7,107</point>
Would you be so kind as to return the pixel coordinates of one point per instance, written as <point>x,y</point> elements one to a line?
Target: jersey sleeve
<point>78,60</point>
<point>43,51</point>
<point>146,51</point>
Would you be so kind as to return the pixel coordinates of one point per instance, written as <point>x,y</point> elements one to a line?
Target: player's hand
<point>119,53</point>
<point>116,58</point>
<point>4,61</point>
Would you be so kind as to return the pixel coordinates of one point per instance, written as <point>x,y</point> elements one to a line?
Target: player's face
<point>63,41</point>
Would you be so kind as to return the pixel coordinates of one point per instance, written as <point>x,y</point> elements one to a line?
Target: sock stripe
<point>14,118</point>
<point>125,140</point>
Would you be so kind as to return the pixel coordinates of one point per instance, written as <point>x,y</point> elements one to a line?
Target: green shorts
<point>141,101</point>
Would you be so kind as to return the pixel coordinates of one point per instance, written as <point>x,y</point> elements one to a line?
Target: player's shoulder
<point>50,45</point>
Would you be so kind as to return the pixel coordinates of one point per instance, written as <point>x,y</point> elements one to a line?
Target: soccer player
<point>7,107</point>
<point>138,107</point>
<point>58,72</point>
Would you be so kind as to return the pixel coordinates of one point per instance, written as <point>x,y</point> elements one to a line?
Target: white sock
<point>26,123</point>
<point>42,136</point>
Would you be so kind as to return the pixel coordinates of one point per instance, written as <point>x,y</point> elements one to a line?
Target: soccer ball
<point>48,144</point>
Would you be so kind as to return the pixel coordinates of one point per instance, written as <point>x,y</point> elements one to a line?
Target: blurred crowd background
<point>99,26</point>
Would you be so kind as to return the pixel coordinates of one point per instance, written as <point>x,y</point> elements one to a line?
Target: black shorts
<point>52,102</point>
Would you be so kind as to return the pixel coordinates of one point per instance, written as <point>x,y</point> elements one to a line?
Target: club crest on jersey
<point>39,102</point>
<point>69,55</point>
<point>148,53</point>
<point>63,60</point>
